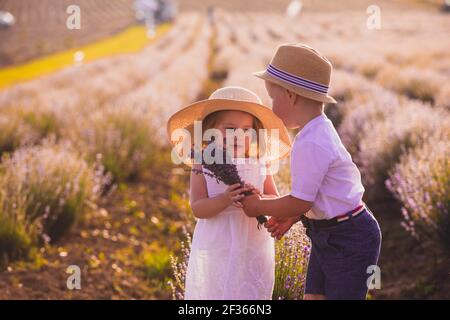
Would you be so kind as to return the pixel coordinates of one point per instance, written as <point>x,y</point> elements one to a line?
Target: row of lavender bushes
<point>56,164</point>
<point>45,186</point>
<point>104,130</point>
<point>44,189</point>
<point>401,147</point>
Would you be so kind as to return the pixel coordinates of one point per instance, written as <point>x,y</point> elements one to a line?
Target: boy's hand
<point>251,205</point>
<point>278,227</point>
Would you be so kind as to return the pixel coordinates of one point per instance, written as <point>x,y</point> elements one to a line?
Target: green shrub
<point>421,181</point>
<point>291,262</point>
<point>412,82</point>
<point>157,264</point>
<point>381,147</point>
<point>14,133</point>
<point>123,137</point>
<point>51,185</point>
<point>179,268</point>
<point>22,126</point>
<point>15,242</point>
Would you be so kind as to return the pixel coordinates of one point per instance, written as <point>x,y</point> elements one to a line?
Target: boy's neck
<point>307,114</point>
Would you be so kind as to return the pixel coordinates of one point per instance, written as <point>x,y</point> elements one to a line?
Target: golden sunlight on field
<point>86,177</point>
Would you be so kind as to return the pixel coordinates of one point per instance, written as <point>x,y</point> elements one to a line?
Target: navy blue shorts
<point>340,256</point>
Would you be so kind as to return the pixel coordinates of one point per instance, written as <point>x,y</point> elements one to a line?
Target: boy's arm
<point>283,207</point>
<point>309,168</point>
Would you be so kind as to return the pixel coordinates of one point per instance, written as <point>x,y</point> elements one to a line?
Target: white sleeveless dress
<point>230,258</point>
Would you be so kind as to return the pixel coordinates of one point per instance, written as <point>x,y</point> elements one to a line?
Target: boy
<point>326,184</point>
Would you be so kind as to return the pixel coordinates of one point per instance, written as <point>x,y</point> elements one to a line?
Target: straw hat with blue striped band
<point>301,69</point>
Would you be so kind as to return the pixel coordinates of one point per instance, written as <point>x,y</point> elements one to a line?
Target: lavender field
<point>86,177</point>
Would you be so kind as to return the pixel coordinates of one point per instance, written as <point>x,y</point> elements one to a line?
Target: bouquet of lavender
<point>226,172</point>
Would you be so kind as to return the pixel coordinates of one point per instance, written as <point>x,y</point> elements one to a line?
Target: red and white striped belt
<point>307,222</point>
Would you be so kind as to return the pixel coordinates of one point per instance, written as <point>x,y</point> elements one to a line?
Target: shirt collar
<point>312,122</point>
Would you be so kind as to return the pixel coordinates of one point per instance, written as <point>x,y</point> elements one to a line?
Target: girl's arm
<point>270,188</point>
<point>204,207</point>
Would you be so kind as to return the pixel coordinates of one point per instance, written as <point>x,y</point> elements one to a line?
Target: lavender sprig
<point>225,172</point>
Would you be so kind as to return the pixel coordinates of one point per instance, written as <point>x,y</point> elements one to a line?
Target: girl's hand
<point>253,189</point>
<point>234,194</point>
<point>278,227</point>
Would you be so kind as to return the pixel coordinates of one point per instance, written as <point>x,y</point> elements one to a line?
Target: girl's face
<point>233,120</point>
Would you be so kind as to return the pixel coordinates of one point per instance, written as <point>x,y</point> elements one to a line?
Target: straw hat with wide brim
<point>238,99</point>
<point>301,69</point>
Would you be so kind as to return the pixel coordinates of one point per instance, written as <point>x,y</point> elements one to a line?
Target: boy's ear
<point>292,96</point>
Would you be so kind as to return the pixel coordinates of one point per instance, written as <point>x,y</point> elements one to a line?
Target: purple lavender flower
<point>224,171</point>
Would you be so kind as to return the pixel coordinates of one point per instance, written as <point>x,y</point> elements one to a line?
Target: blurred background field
<point>85,172</point>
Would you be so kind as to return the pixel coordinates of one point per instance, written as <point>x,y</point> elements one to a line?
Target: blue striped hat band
<point>297,81</point>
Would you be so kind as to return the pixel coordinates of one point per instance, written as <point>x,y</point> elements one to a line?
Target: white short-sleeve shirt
<point>323,171</point>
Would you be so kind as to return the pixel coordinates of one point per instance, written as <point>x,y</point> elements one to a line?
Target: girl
<point>230,257</point>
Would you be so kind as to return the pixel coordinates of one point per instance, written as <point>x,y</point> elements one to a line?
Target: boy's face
<point>282,105</point>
